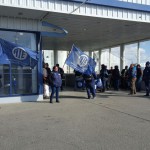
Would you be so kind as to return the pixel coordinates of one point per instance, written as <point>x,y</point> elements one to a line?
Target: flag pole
<point>68,55</point>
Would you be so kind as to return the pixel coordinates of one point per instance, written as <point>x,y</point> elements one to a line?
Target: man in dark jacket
<point>146,77</point>
<point>104,76</point>
<point>90,84</point>
<point>124,78</point>
<point>116,78</point>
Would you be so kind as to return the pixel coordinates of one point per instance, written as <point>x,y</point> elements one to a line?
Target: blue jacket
<point>132,72</point>
<point>56,79</point>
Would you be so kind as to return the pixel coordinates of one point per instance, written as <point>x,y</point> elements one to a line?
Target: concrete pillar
<point>100,59</point>
<point>55,57</point>
<point>109,58</point>
<point>138,53</point>
<point>121,56</point>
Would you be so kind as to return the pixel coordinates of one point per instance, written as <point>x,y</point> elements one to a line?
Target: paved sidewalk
<point>112,121</point>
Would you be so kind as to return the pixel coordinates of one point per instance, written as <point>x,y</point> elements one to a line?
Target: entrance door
<point>5,80</point>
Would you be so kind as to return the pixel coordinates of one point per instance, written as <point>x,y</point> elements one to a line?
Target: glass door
<point>5,80</point>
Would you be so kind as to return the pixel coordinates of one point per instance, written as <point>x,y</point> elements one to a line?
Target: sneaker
<point>130,94</point>
<point>51,102</point>
<point>89,98</point>
<point>93,97</point>
<point>57,101</point>
<point>146,95</point>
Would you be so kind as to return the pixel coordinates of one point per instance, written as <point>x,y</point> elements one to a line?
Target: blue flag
<point>16,54</point>
<point>80,61</point>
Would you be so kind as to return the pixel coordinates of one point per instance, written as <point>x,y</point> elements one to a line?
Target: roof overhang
<point>88,33</point>
<point>92,33</point>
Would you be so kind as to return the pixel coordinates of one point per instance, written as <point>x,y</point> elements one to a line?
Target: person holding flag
<point>81,62</point>
<point>90,84</point>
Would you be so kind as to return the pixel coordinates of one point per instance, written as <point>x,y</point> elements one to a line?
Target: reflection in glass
<point>21,38</point>
<point>24,80</point>
<point>18,80</point>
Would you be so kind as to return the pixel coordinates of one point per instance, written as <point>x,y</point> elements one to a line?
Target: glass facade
<point>137,52</point>
<point>62,55</point>
<point>105,57</point>
<point>115,57</point>
<point>49,57</point>
<point>130,54</point>
<point>16,80</point>
<point>144,52</point>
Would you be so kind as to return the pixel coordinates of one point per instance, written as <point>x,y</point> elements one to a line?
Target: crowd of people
<point>130,78</point>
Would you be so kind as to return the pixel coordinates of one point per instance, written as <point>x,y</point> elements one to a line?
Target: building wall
<point>145,2</point>
<point>86,9</point>
<point>19,23</point>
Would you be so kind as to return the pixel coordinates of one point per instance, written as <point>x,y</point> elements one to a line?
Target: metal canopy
<point>91,33</point>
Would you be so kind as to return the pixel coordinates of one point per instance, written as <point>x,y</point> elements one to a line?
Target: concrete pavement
<point>113,121</point>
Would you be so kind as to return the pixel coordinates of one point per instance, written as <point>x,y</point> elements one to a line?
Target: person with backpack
<point>56,83</point>
<point>90,84</point>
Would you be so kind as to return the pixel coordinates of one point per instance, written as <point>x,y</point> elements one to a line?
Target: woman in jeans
<point>56,83</point>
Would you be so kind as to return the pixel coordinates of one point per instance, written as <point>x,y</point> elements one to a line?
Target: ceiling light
<point>20,33</point>
<point>20,13</point>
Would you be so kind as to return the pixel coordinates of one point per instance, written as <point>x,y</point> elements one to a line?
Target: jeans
<point>104,84</point>
<point>116,84</point>
<point>90,88</point>
<point>138,84</point>
<point>55,90</point>
<point>147,87</point>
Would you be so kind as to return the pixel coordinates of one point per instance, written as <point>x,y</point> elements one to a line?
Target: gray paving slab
<point>112,121</point>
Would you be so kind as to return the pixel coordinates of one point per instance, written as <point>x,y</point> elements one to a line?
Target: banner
<point>16,54</point>
<point>80,61</point>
